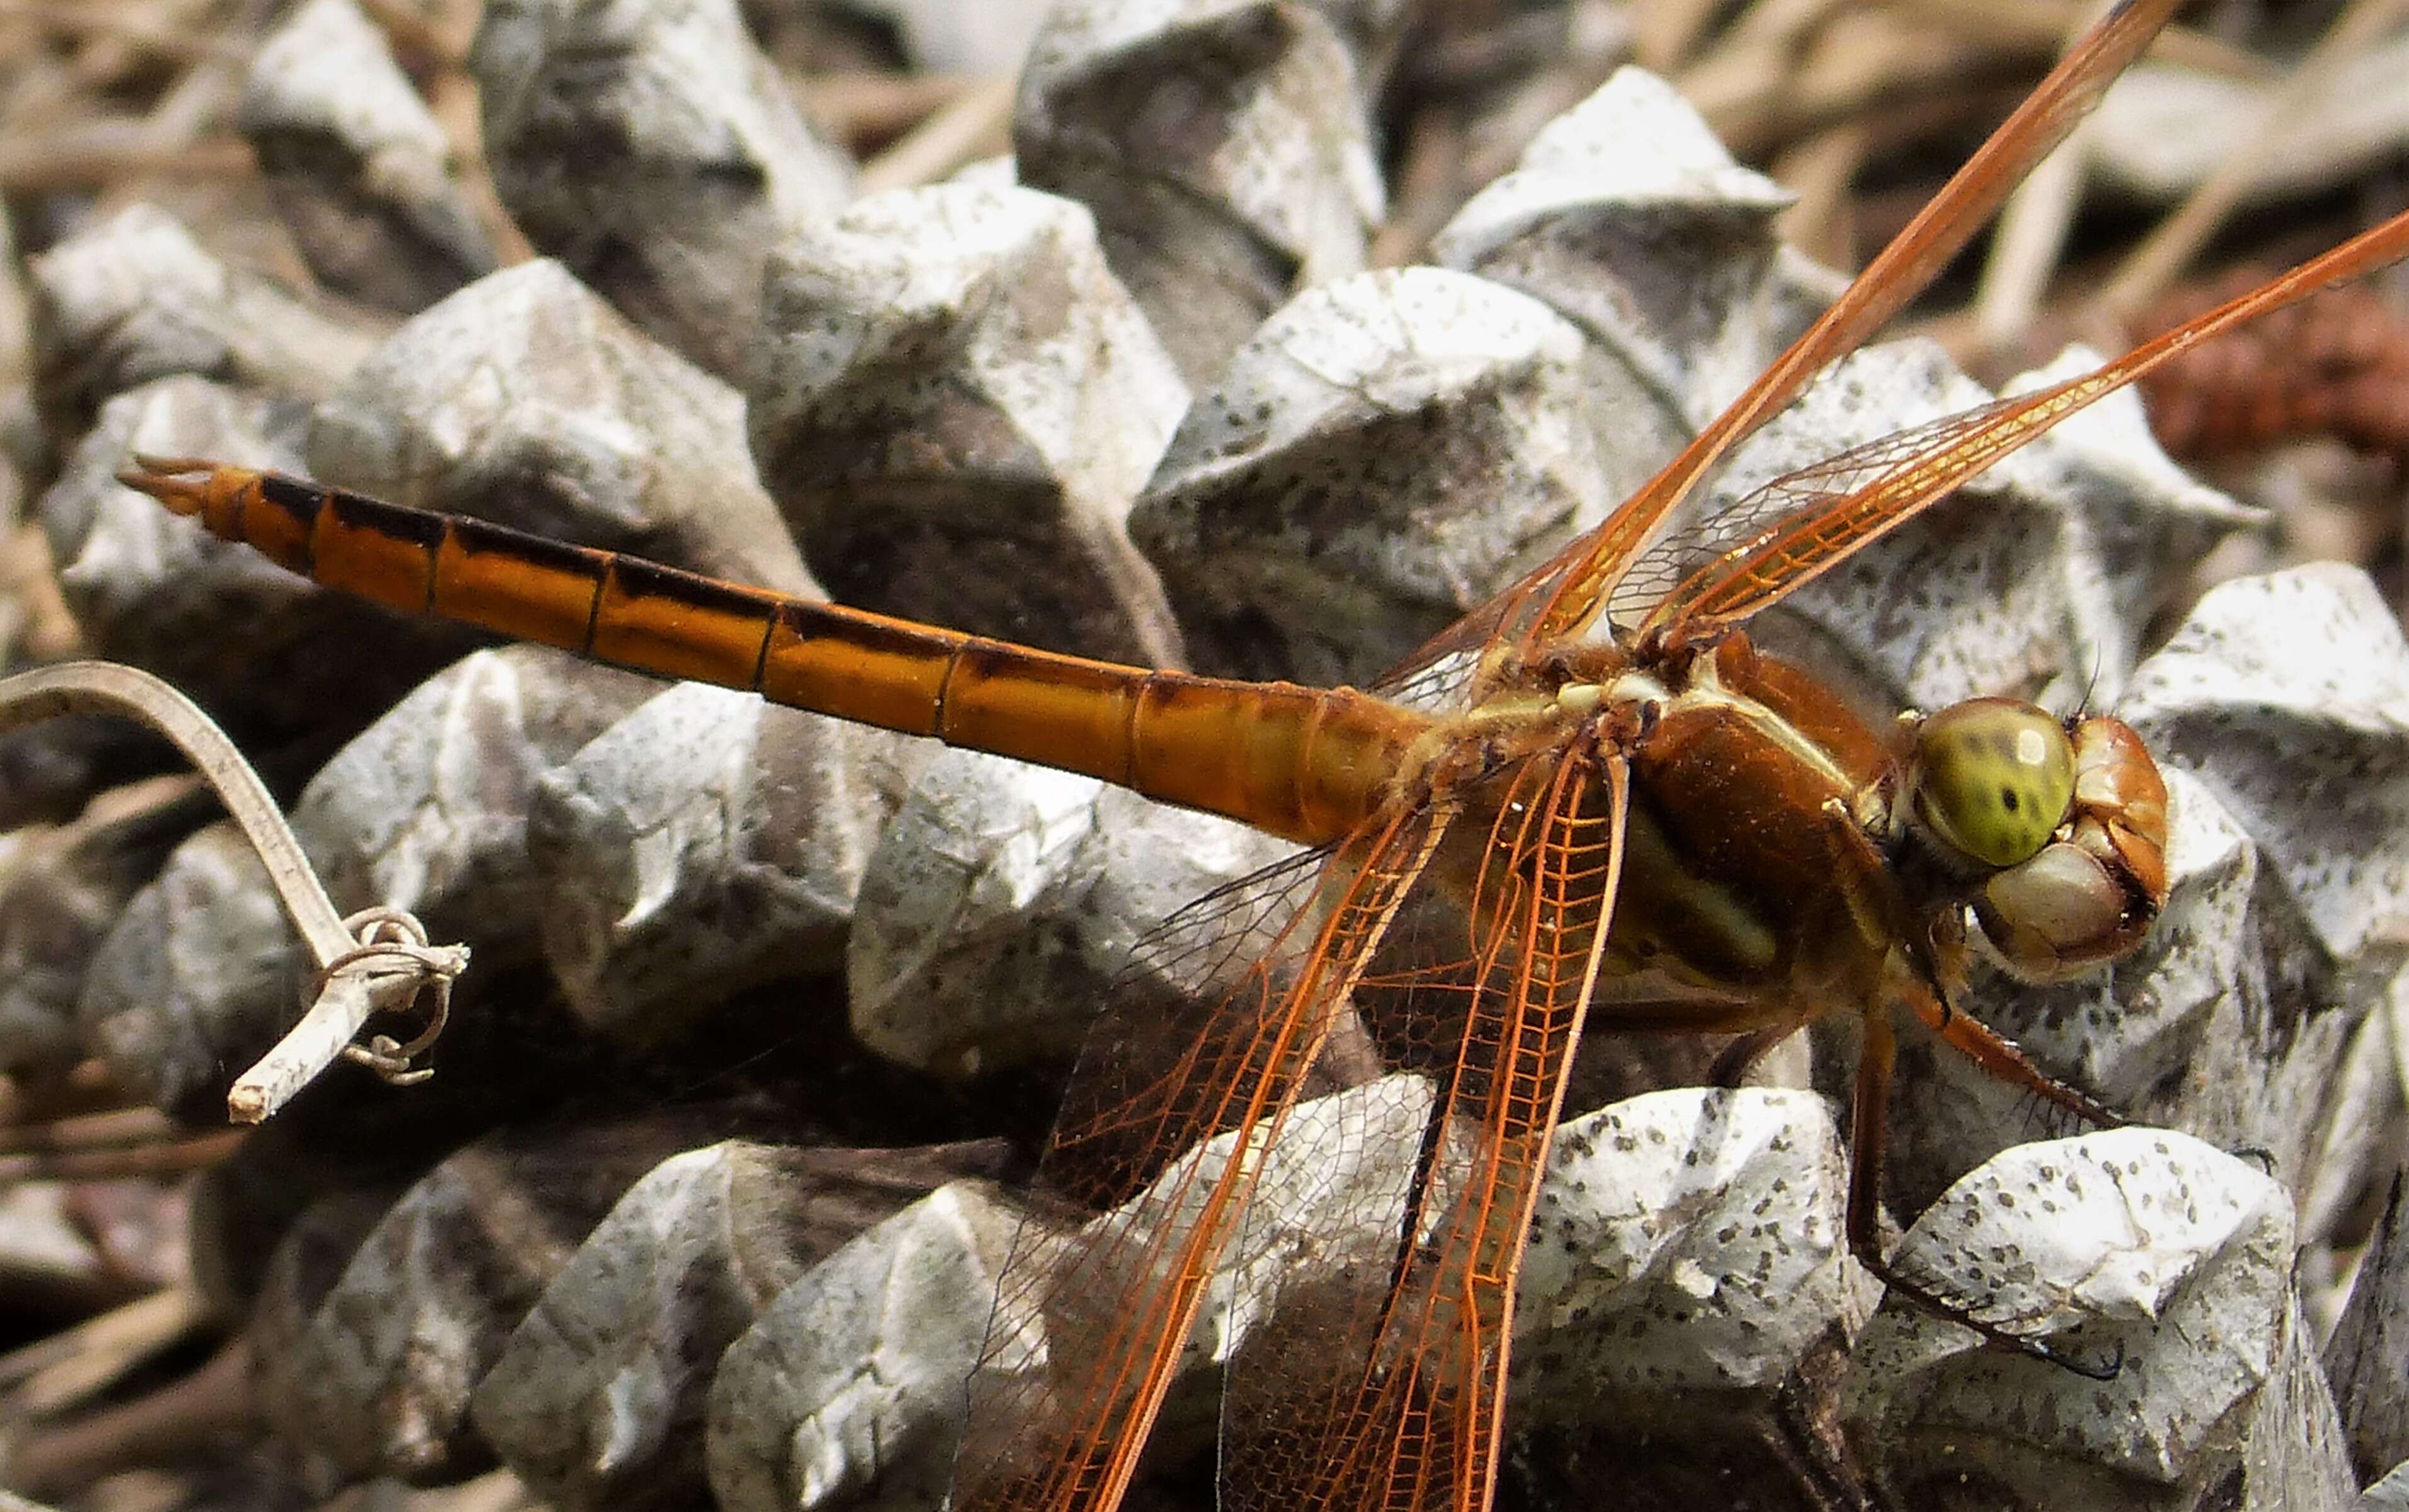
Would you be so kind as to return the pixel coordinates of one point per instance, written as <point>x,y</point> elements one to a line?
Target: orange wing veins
<point>1089,1327</point>
<point>1389,1393</point>
<point>1917,468</point>
<point>1564,595</point>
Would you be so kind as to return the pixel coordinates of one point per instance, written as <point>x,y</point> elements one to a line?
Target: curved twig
<point>375,961</point>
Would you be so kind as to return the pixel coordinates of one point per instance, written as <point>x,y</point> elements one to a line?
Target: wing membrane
<point>1657,583</point>
<point>1379,1383</point>
<point>1168,1118</point>
<point>1805,523</point>
<point>1563,596</point>
<point>1382,1387</point>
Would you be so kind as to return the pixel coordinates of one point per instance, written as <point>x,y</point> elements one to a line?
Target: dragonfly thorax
<point>1781,847</point>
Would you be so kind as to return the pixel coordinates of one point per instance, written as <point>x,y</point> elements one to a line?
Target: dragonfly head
<point>2058,826</point>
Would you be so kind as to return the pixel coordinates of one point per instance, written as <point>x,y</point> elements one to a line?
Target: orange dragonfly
<point>1622,806</point>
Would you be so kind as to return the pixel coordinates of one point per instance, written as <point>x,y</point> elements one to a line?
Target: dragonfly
<point>1591,800</point>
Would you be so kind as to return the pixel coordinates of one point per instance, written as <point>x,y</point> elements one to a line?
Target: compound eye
<point>1993,778</point>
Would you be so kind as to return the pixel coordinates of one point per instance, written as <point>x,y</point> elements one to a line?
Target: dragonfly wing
<point>1186,1079</point>
<point>1805,523</point>
<point>1563,595</point>
<point>1377,1381</point>
<point>1666,580</point>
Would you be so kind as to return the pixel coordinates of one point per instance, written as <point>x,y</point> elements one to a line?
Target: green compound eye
<point>1993,776</point>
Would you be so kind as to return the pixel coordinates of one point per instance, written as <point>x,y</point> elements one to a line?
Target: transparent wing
<point>1808,521</point>
<point>1186,1082</point>
<point>1563,595</point>
<point>1376,1379</point>
<point>1654,587</point>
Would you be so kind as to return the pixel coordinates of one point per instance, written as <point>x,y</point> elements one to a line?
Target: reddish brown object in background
<point>2336,364</point>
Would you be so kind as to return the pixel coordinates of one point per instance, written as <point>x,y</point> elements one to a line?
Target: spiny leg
<point>1984,1047</point>
<point>1998,1056</point>
<point>1867,1125</point>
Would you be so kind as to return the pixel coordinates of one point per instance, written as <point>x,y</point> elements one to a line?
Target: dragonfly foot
<point>1955,1312</point>
<point>2089,1369</point>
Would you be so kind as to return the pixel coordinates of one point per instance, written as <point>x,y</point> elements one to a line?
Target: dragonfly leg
<point>1994,1053</point>
<point>1867,1122</point>
<point>1734,1061</point>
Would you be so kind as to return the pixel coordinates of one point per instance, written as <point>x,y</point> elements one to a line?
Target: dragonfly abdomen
<point>1306,764</point>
